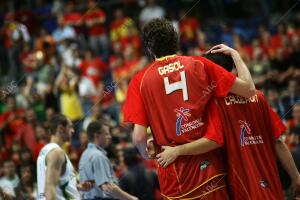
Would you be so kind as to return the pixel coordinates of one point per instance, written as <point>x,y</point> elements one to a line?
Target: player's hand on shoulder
<point>222,48</point>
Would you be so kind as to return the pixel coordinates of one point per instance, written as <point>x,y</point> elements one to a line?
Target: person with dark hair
<point>137,174</point>
<point>56,178</point>
<point>171,96</point>
<point>95,166</point>
<point>26,158</point>
<point>9,182</point>
<point>221,59</point>
<point>249,126</point>
<point>292,97</point>
<point>26,188</point>
<point>295,132</point>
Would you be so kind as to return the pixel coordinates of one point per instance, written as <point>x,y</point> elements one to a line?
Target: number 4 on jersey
<point>180,85</point>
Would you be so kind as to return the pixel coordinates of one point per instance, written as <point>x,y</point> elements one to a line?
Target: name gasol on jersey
<point>233,99</point>
<point>172,67</point>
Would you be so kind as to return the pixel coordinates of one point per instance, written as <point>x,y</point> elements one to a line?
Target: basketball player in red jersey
<point>168,96</point>
<point>251,142</point>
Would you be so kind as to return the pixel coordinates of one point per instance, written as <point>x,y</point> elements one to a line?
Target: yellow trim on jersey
<point>202,195</point>
<point>151,65</point>
<point>142,79</point>
<point>165,57</point>
<point>172,198</point>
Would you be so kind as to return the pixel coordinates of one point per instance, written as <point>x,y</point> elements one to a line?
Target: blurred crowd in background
<point>77,57</point>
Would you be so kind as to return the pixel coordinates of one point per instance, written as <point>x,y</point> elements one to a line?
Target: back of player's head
<point>160,37</point>
<point>221,59</point>
<point>57,120</point>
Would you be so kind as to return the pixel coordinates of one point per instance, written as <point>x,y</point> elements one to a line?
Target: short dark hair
<point>221,59</point>
<point>295,130</point>
<point>160,37</point>
<point>131,156</point>
<point>94,127</point>
<point>55,121</point>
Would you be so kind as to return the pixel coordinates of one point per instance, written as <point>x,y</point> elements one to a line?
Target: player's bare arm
<point>243,85</point>
<point>116,192</point>
<point>286,159</point>
<point>139,137</point>
<point>55,161</point>
<point>200,146</point>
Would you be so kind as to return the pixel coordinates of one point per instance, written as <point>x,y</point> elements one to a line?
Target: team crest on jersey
<point>182,114</point>
<point>183,124</point>
<point>246,135</point>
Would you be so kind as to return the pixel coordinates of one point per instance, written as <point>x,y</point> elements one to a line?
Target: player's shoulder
<point>139,75</point>
<point>136,80</point>
<point>57,152</point>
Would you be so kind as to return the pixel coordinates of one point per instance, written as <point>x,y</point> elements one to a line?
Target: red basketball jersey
<point>250,129</point>
<point>171,97</point>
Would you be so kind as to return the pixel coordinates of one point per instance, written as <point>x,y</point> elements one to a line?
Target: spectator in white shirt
<point>151,11</point>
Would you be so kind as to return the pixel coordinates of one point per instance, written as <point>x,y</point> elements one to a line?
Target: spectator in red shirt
<point>95,19</point>
<point>280,39</point>
<point>27,134</point>
<point>93,67</point>
<point>189,27</point>
<point>73,17</point>
<point>123,30</point>
<point>265,41</point>
<point>11,121</point>
<point>28,59</point>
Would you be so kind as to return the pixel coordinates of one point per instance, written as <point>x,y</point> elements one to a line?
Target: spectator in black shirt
<point>138,181</point>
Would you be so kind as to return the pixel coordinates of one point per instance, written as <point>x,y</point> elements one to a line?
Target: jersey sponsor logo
<point>232,99</point>
<point>264,183</point>
<point>169,68</point>
<point>183,114</point>
<point>250,139</point>
<point>204,164</point>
